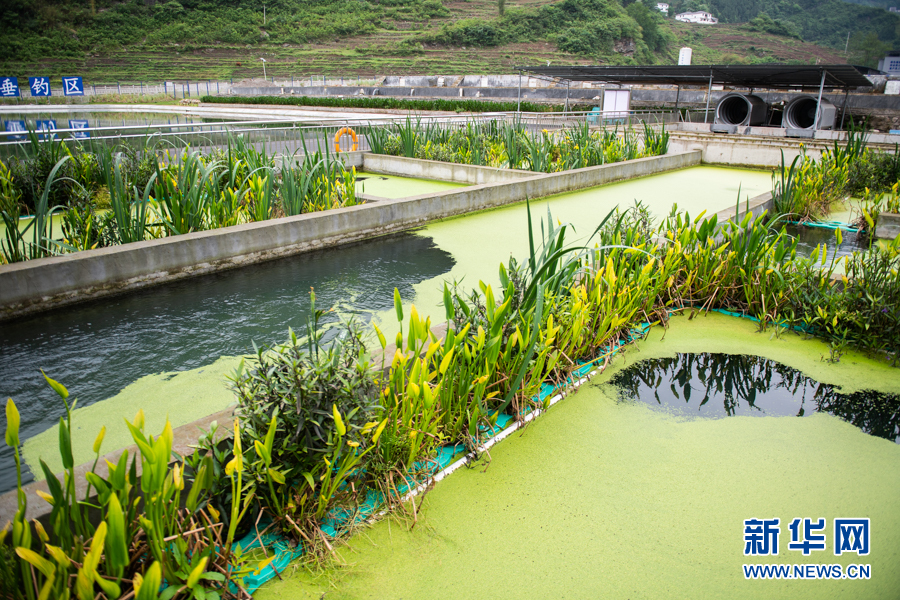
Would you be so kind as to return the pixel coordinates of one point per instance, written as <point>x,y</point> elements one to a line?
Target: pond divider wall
<point>45,283</point>
<point>755,205</point>
<point>888,226</point>
<point>758,147</point>
<point>445,171</point>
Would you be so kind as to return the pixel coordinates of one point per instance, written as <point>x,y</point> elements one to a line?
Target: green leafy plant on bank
<point>130,195</point>
<point>127,534</point>
<point>513,145</point>
<point>809,188</point>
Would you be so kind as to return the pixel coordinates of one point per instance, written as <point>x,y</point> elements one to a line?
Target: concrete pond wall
<point>760,147</point>
<point>38,285</point>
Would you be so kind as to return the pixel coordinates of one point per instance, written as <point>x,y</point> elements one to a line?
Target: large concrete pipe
<point>742,110</point>
<point>800,113</point>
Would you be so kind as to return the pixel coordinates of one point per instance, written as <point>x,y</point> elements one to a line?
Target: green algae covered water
<point>391,186</point>
<point>480,242</point>
<point>606,499</point>
<point>167,350</point>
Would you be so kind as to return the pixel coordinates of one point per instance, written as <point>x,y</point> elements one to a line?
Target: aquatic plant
<point>131,209</point>
<point>308,416</point>
<point>862,310</point>
<point>656,143</point>
<point>32,164</point>
<point>153,195</point>
<point>124,537</point>
<point>184,189</point>
<point>510,145</point>
<point>15,247</point>
<point>807,190</point>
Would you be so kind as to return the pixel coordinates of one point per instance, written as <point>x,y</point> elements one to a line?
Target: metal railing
<point>287,138</point>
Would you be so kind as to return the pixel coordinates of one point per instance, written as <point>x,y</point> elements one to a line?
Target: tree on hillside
<point>866,49</point>
<point>649,22</point>
<point>765,23</point>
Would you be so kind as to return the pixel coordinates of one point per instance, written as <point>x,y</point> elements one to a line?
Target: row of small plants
<point>807,189</point>
<point>382,102</point>
<point>104,195</point>
<point>512,145</point>
<point>322,425</point>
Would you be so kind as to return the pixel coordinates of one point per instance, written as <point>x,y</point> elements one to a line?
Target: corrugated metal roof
<point>751,76</point>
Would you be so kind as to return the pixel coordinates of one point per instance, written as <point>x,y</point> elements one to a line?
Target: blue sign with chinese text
<point>45,125</point>
<point>73,86</point>
<point>40,86</point>
<point>9,87</point>
<point>14,126</point>
<point>82,126</point>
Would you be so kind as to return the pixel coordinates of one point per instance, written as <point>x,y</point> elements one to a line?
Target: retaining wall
<point>761,146</point>
<point>45,283</point>
<point>432,169</point>
<point>888,226</point>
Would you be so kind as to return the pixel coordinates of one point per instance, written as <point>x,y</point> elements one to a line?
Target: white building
<point>662,7</point>
<point>890,64</point>
<point>697,17</point>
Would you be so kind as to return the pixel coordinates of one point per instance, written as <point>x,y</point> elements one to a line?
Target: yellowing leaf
<point>378,431</point>
<point>99,440</point>
<point>338,421</point>
<point>12,423</point>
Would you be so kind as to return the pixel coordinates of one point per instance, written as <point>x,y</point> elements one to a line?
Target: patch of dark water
<point>808,238</point>
<point>725,385</point>
<point>97,348</point>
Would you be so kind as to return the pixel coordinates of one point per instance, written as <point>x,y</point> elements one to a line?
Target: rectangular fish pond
<point>611,496</point>
<point>645,482</point>
<point>373,185</point>
<point>172,345</point>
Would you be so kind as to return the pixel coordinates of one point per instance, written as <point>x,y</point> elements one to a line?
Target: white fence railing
<point>285,138</point>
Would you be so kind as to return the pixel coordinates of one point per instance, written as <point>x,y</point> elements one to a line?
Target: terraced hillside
<point>392,37</point>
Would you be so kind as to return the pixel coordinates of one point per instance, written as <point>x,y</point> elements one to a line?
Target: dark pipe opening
<point>803,113</point>
<point>733,110</point>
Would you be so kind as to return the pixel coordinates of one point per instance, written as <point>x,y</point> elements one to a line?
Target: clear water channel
<point>167,349</point>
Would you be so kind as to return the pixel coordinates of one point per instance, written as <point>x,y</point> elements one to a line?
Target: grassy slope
<point>378,53</point>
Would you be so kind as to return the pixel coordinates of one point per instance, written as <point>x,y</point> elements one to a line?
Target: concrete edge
<point>443,171</point>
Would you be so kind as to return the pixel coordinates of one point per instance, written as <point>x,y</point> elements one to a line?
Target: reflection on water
<point>98,348</point>
<point>810,237</point>
<point>63,120</point>
<point>720,385</point>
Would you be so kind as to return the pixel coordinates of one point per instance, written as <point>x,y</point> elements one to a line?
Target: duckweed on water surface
<point>263,301</point>
<point>603,499</point>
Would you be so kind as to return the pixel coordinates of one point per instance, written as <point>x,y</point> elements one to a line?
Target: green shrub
<point>302,382</point>
<point>877,171</point>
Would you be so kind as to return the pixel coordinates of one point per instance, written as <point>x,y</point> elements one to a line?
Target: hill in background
<point>151,40</point>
